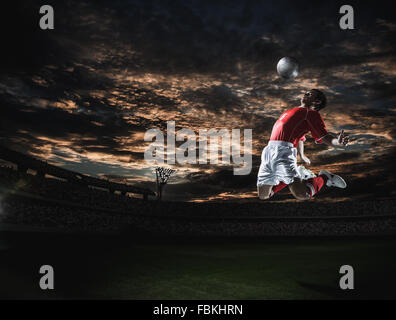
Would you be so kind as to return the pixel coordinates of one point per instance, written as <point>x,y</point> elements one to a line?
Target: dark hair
<point>323,101</point>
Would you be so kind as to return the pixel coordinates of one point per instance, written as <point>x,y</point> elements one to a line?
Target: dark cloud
<point>224,179</point>
<point>113,69</point>
<point>340,157</point>
<point>214,98</point>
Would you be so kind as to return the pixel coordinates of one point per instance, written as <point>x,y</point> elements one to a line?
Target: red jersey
<point>293,124</point>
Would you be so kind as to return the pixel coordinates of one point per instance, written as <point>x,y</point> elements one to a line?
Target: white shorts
<point>278,163</point>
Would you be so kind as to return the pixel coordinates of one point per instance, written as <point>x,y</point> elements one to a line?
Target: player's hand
<point>306,160</point>
<point>343,140</point>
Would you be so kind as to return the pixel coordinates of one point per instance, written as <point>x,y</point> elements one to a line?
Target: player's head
<point>314,99</point>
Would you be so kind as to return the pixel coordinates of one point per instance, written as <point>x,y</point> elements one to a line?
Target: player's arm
<point>320,133</point>
<point>340,140</point>
<point>300,150</point>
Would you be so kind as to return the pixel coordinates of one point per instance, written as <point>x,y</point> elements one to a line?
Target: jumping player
<point>278,167</point>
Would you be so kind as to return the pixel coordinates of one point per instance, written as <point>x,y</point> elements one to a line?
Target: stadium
<point>110,177</point>
<point>79,222</point>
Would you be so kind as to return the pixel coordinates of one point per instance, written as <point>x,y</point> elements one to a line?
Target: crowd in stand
<point>61,204</point>
<point>34,213</point>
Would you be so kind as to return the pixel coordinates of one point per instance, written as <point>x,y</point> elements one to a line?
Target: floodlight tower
<point>163,175</point>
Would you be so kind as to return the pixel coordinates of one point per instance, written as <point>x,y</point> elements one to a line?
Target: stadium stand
<point>40,213</point>
<point>90,204</point>
<point>25,162</point>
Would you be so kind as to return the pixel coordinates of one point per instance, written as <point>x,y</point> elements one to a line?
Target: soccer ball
<point>287,68</point>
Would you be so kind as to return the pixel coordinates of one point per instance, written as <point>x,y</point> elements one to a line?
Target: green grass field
<point>124,268</point>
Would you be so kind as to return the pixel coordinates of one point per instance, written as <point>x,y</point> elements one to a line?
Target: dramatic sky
<point>83,95</point>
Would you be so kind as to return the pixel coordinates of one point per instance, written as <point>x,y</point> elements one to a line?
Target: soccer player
<point>278,167</point>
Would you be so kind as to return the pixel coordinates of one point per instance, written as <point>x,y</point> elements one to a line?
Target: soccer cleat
<point>333,180</point>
